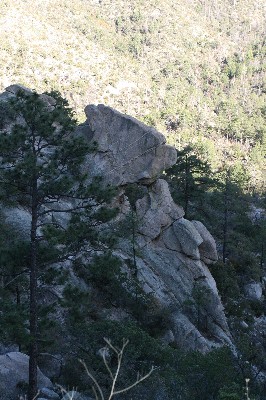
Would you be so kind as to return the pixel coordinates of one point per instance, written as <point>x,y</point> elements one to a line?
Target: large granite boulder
<point>182,286</point>
<point>128,150</point>
<point>156,210</point>
<point>159,217</point>
<point>12,90</point>
<point>19,219</point>
<point>207,249</point>
<point>188,238</point>
<point>14,373</point>
<point>253,291</point>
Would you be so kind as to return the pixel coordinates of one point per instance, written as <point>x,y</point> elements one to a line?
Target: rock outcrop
<point>14,372</point>
<point>128,151</point>
<point>173,252</point>
<point>207,248</point>
<point>171,265</point>
<point>156,211</point>
<point>253,291</point>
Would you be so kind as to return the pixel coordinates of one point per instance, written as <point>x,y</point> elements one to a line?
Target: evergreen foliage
<point>190,178</point>
<point>41,171</point>
<point>14,258</point>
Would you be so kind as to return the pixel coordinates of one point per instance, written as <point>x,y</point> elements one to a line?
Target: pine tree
<point>232,226</point>
<point>189,179</point>
<point>41,160</point>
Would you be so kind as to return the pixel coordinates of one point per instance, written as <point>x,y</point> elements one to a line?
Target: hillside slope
<point>193,69</point>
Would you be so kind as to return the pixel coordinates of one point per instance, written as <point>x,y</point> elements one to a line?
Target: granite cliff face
<point>172,252</point>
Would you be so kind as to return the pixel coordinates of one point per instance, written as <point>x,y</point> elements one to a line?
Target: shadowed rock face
<point>207,248</point>
<point>128,150</point>
<point>171,265</point>
<point>254,291</point>
<point>173,278</point>
<point>157,210</point>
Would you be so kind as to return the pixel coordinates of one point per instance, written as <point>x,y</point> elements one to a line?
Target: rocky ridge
<point>173,253</point>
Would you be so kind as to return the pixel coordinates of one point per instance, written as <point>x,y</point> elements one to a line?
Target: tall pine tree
<point>40,169</point>
<point>189,179</point>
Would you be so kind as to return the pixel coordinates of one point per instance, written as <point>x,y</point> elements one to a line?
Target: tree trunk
<point>225,224</point>
<point>135,272</point>
<point>186,188</point>
<point>18,304</point>
<point>33,351</point>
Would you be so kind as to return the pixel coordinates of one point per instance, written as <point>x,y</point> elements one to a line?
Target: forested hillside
<point>128,262</point>
<point>194,69</point>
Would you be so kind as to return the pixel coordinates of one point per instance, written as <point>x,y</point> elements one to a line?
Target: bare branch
<point>37,394</point>
<point>135,383</point>
<point>95,393</point>
<point>13,279</point>
<point>16,275</point>
<point>67,210</point>
<point>103,354</point>
<point>93,379</point>
<point>119,353</point>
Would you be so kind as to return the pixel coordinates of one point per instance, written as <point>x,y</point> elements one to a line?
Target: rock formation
<point>128,151</point>
<point>253,291</point>
<point>173,252</point>
<point>14,370</point>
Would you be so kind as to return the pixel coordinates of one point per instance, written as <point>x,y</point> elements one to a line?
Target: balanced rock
<point>127,150</point>
<point>170,253</point>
